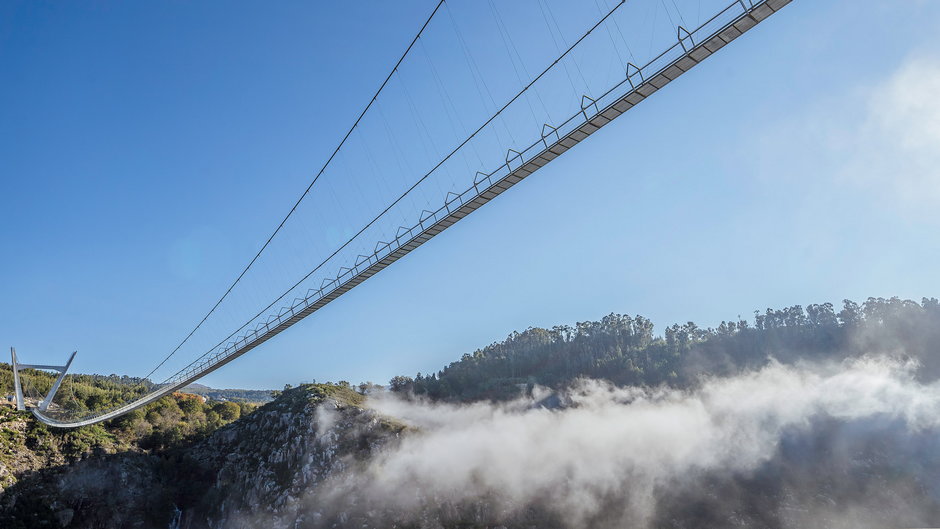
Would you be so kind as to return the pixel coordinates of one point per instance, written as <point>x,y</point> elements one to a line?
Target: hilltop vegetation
<point>625,350</point>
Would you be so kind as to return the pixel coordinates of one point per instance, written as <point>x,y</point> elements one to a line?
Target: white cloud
<point>898,143</point>
<point>879,143</point>
<point>625,441</point>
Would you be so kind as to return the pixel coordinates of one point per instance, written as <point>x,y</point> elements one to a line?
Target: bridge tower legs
<point>18,388</point>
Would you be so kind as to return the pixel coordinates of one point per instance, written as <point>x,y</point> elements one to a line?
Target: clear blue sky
<point>147,149</point>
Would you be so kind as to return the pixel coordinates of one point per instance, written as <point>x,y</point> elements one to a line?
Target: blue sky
<point>146,151</point>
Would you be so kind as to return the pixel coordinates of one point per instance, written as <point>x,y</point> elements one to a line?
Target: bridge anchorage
<point>686,48</point>
<point>43,404</point>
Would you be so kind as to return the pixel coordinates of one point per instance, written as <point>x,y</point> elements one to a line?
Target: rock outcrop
<point>256,472</point>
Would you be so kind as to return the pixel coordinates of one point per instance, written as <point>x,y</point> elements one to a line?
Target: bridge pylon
<point>18,387</point>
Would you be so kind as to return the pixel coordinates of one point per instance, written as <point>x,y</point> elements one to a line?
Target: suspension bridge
<point>346,261</point>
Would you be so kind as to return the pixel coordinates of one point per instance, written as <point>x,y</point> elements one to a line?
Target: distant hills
<point>234,395</point>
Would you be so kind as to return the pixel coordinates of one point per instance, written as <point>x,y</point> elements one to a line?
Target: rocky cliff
<point>260,471</point>
<point>256,472</point>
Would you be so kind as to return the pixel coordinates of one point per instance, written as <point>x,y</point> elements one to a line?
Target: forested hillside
<point>78,392</point>
<point>626,350</point>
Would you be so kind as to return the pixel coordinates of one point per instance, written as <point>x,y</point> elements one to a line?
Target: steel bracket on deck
<point>586,103</point>
<point>632,70</point>
<point>18,388</point>
<point>683,35</point>
<point>547,132</point>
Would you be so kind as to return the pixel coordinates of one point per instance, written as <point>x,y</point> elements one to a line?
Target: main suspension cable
<point>304,194</point>
<point>416,184</point>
